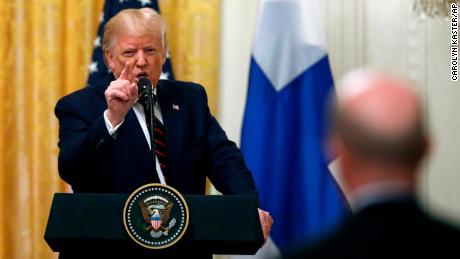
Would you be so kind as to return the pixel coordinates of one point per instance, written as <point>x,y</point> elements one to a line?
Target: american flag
<point>97,68</point>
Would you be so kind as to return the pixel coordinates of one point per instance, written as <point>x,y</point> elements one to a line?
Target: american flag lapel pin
<point>175,107</point>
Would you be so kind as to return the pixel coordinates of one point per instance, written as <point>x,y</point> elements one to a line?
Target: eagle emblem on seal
<point>156,212</point>
<point>155,216</point>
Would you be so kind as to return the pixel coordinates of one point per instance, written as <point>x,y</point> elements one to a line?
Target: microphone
<point>143,87</point>
<point>147,99</point>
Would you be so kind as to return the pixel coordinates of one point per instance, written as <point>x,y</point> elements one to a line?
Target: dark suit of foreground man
<point>380,138</point>
<point>103,139</point>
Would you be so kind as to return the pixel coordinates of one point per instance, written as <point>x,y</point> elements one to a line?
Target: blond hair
<point>134,22</point>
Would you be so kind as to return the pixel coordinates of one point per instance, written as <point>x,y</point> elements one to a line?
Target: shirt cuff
<point>112,130</point>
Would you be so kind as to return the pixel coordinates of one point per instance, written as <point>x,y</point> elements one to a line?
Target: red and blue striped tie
<point>161,152</point>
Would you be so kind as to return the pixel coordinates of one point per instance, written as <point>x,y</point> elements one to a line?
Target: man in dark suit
<point>380,138</point>
<point>104,140</point>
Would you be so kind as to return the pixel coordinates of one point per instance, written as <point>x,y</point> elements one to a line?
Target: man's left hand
<point>266,221</point>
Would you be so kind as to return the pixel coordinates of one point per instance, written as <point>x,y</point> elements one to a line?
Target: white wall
<point>381,34</point>
<point>238,24</point>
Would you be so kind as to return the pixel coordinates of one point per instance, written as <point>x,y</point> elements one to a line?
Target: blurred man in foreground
<point>380,137</point>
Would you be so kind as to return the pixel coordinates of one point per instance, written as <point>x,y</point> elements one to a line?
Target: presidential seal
<point>155,216</point>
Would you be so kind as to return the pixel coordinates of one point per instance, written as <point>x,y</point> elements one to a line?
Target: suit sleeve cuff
<point>111,129</point>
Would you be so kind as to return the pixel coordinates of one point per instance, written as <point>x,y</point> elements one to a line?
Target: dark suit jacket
<point>388,230</point>
<point>91,160</point>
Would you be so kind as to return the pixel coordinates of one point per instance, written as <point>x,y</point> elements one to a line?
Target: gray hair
<point>406,148</point>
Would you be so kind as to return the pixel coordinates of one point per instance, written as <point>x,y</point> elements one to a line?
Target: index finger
<point>126,72</point>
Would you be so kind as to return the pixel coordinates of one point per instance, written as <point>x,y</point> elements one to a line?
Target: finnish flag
<point>285,124</point>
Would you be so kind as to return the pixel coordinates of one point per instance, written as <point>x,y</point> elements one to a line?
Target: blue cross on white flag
<point>97,68</point>
<point>284,125</point>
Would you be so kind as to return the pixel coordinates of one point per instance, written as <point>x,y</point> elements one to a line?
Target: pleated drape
<point>194,42</point>
<point>45,48</point>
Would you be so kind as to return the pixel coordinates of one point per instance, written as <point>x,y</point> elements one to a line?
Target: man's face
<point>146,52</point>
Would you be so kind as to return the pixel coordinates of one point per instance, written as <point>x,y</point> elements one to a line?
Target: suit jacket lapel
<point>173,121</point>
<point>131,131</point>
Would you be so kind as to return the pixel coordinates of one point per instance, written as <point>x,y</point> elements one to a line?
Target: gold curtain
<point>193,40</point>
<point>45,48</point>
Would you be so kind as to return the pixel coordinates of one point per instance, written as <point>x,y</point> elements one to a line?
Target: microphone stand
<point>151,104</point>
